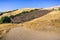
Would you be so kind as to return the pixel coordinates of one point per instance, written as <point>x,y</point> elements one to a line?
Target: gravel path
<point>21,33</point>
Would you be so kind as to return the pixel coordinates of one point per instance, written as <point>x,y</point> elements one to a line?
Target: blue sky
<point>18,4</point>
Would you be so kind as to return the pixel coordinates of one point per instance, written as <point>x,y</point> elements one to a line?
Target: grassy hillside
<point>15,12</point>
<point>5,27</point>
<point>49,22</point>
<point>5,17</point>
<point>28,16</point>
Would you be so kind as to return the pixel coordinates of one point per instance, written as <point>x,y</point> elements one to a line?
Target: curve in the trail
<point>21,33</point>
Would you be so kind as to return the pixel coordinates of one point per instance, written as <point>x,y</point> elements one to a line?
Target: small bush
<point>36,9</point>
<point>59,9</point>
<point>25,12</point>
<point>31,10</point>
<point>53,9</point>
<point>11,16</point>
<point>5,19</point>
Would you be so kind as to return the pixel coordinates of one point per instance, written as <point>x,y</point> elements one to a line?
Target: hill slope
<point>15,12</point>
<point>48,22</point>
<point>28,16</point>
<point>40,20</point>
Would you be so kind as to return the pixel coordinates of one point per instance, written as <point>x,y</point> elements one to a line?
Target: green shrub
<point>25,12</point>
<point>34,10</point>
<point>53,9</point>
<point>5,19</point>
<point>37,9</point>
<point>11,16</point>
<point>59,8</point>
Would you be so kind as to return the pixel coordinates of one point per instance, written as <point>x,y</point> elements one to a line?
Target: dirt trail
<point>21,33</point>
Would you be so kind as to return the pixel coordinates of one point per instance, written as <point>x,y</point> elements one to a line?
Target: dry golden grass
<point>7,25</point>
<point>49,22</point>
<point>4,28</point>
<point>17,12</point>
